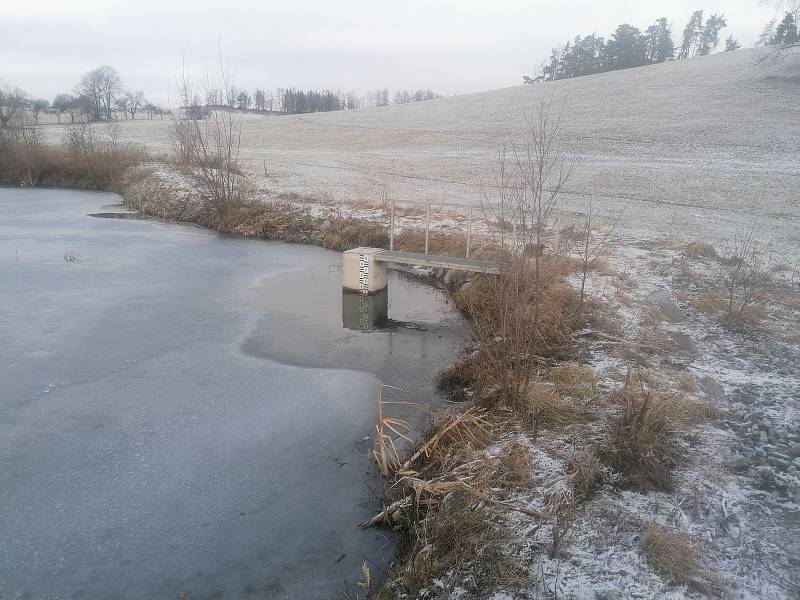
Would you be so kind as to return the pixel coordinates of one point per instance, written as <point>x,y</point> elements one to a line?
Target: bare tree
<point>208,148</point>
<point>528,180</point>
<point>61,104</point>
<point>38,106</point>
<point>591,245</point>
<point>544,170</point>
<point>135,101</point>
<point>121,104</point>
<point>101,86</point>
<point>81,106</point>
<point>150,109</point>
<point>12,99</point>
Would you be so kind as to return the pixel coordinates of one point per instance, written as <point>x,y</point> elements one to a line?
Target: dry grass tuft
<point>443,244</point>
<point>677,558</point>
<point>746,317</point>
<point>713,302</point>
<point>545,406</point>
<point>686,382</point>
<point>458,379</point>
<point>573,380</point>
<point>283,220</point>
<point>694,412</point>
<point>700,250</point>
<point>513,469</point>
<point>451,439</point>
<point>643,444</point>
<point>485,304</point>
<point>346,234</point>
<point>458,543</point>
<point>585,473</point>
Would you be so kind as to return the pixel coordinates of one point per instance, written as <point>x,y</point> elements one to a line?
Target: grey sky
<point>451,46</point>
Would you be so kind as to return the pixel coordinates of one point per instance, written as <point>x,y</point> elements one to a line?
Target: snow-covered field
<point>693,148</point>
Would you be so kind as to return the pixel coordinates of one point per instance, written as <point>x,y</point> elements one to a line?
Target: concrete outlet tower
<point>362,273</point>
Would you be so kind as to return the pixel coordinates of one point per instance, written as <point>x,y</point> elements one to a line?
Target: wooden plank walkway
<point>437,262</point>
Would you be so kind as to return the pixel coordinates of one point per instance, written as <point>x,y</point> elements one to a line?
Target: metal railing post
<point>427,227</point>
<point>391,229</point>
<point>469,229</point>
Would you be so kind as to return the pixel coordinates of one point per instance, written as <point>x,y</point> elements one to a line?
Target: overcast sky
<point>450,46</point>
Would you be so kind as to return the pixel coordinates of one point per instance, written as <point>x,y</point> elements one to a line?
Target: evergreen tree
<point>260,99</point>
<point>786,32</point>
<point>691,35</point>
<point>658,42</point>
<point>709,39</point>
<point>626,48</point>
<point>243,101</point>
<point>731,44</point>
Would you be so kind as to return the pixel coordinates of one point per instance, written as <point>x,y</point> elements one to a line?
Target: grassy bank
<point>541,437</point>
<point>85,159</point>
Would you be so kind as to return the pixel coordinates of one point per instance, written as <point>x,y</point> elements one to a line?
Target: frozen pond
<point>185,412</point>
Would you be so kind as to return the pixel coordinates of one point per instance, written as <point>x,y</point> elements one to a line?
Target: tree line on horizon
<point>100,94</point>
<point>630,47</point>
<point>297,101</point>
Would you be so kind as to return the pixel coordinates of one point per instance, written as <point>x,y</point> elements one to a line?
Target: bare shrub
<point>591,245</point>
<point>82,138</point>
<point>677,557</point>
<point>747,278</point>
<point>525,312</point>
<point>209,148</point>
